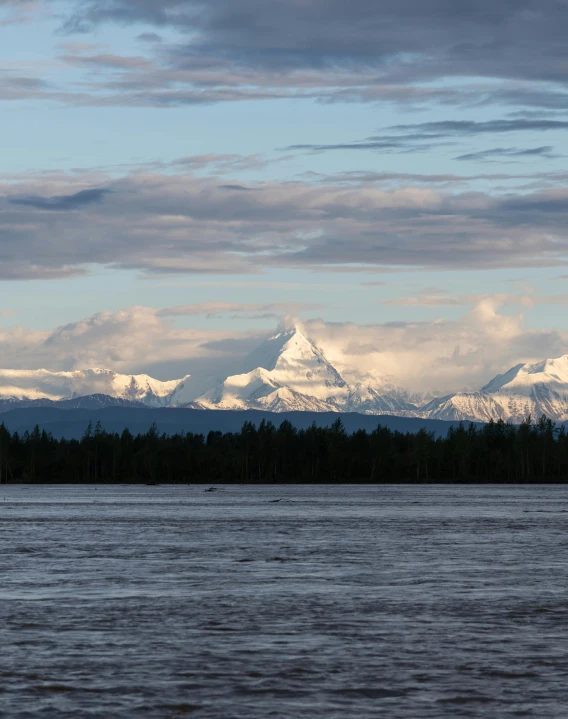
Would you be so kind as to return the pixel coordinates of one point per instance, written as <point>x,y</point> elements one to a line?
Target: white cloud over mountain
<point>440,356</point>
<point>291,371</point>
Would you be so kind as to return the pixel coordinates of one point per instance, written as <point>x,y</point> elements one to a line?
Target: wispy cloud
<point>210,310</point>
<point>62,203</point>
<point>446,300</point>
<point>498,154</point>
<point>13,12</point>
<point>469,128</point>
<point>426,136</point>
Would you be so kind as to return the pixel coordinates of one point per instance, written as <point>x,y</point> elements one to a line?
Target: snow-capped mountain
<point>466,406</point>
<point>385,398</point>
<point>289,372</point>
<point>43,384</point>
<point>534,389</point>
<point>286,372</point>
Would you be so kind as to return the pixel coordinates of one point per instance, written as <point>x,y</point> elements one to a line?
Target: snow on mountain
<point>286,372</point>
<point>384,399</point>
<point>464,406</point>
<point>294,361</point>
<point>534,389</point>
<point>289,372</point>
<point>258,390</point>
<point>44,384</point>
<point>189,389</point>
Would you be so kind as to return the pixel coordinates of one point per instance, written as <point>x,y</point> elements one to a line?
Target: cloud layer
<point>202,51</point>
<point>429,39</point>
<point>58,225</point>
<point>440,356</point>
<point>135,339</point>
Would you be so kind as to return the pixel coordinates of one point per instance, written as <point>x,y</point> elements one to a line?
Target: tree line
<point>495,452</point>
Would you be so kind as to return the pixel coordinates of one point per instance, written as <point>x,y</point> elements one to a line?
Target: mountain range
<point>288,372</point>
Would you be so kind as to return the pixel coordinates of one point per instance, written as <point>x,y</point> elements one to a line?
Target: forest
<point>495,452</point>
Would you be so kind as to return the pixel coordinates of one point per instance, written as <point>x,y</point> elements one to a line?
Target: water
<point>329,601</point>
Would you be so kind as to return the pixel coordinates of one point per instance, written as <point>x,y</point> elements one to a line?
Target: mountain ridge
<point>526,389</point>
<point>289,372</point>
<point>47,384</point>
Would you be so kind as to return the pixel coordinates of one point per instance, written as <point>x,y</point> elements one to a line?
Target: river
<point>330,602</point>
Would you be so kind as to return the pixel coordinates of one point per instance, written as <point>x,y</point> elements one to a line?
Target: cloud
<point>13,12</point>
<point>62,203</point>
<point>439,356</point>
<point>504,153</point>
<point>272,310</point>
<point>407,39</point>
<point>108,61</point>
<point>410,51</point>
<point>135,339</point>
<point>21,269</point>
<point>449,181</point>
<point>470,128</point>
<point>16,86</point>
<point>386,145</point>
<point>232,162</point>
<point>149,37</point>
<point>161,224</point>
<point>212,163</point>
<point>236,188</point>
<point>426,299</point>
<point>425,136</point>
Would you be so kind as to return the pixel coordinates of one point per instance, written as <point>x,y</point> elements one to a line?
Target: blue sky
<point>363,168</point>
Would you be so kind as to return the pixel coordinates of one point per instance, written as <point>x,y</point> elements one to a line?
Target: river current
<point>328,602</point>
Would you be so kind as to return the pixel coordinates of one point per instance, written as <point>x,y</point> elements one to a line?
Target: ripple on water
<point>323,602</point>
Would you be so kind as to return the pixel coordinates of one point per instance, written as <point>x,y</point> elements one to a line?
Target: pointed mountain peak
<point>285,343</point>
<point>296,339</point>
<point>289,333</point>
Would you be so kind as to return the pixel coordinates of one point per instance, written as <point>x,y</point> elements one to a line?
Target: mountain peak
<point>524,377</point>
<point>268,354</point>
<point>293,334</point>
<point>526,389</point>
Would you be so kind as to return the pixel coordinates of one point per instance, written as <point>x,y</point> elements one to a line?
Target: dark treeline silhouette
<point>495,452</point>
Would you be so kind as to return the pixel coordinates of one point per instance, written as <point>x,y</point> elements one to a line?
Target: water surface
<point>283,601</point>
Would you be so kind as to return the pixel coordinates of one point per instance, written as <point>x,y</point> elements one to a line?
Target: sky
<point>180,178</point>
